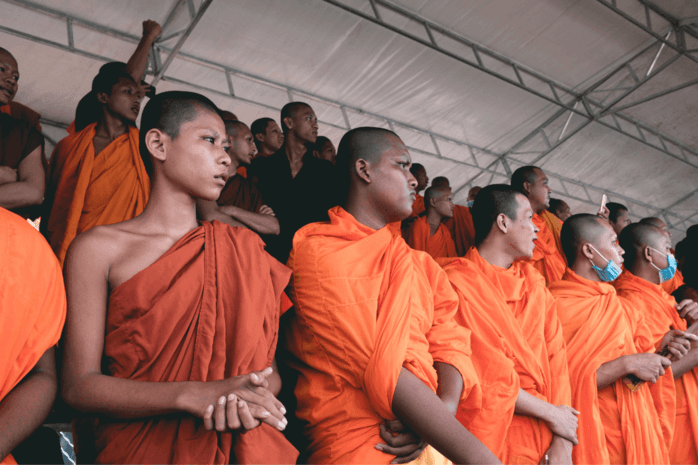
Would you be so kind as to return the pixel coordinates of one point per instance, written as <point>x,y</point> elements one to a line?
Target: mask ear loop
<point>592,263</point>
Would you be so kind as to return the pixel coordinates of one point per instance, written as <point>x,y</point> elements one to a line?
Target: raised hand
<point>400,441</point>
<point>151,29</point>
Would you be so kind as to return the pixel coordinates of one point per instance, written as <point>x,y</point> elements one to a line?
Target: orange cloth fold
<point>657,307</point>
<point>554,224</point>
<point>242,193</point>
<point>438,245</point>
<point>366,305</point>
<point>208,309</point>
<point>462,229</point>
<point>512,311</point>
<point>32,301</point>
<point>616,425</point>
<point>418,206</point>
<point>85,190</point>
<point>547,258</point>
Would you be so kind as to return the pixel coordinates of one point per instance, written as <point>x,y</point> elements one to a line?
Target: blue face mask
<point>470,203</point>
<point>608,274</point>
<point>667,273</point>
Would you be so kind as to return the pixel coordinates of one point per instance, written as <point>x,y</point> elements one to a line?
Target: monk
<point>32,313</point>
<point>240,203</point>
<point>648,263</point>
<point>420,174</point>
<point>677,281</point>
<point>324,149</point>
<point>504,300</point>
<point>547,256</point>
<point>618,216</point>
<point>22,162</point>
<point>98,176</point>
<point>182,315</point>
<point>607,341</point>
<point>560,209</point>
<point>428,233</point>
<point>372,333</point>
<point>268,136</point>
<point>461,225</point>
<point>472,193</point>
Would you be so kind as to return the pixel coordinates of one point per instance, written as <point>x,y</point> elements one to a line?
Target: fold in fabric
<point>438,245</point>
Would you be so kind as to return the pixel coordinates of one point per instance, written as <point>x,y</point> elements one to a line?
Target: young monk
<point>472,193</point>
<point>240,203</point>
<point>547,256</point>
<point>461,225</point>
<point>607,341</point>
<point>677,281</point>
<point>268,136</point>
<point>648,263</point>
<point>98,176</point>
<point>420,174</point>
<point>504,300</point>
<point>618,216</point>
<point>373,335</point>
<point>32,312</point>
<point>190,313</point>
<point>428,233</point>
<point>324,149</point>
<point>22,175</point>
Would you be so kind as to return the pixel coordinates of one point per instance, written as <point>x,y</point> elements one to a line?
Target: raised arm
<point>26,406</point>
<point>29,188</point>
<point>259,222</point>
<point>139,60</point>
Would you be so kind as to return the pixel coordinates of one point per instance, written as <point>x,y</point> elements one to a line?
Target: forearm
<point>263,224</point>
<point>25,408</point>
<point>685,364</point>
<point>450,385</point>
<point>19,194</point>
<point>223,218</point>
<point>422,410</point>
<point>531,406</point>
<point>138,62</point>
<point>609,372</point>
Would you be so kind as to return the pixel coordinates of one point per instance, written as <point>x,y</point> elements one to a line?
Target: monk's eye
<point>210,139</point>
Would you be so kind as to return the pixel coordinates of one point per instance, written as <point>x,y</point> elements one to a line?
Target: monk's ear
<point>102,97</point>
<point>288,121</point>
<point>502,223</point>
<point>259,137</point>
<point>648,253</point>
<point>527,188</point>
<point>155,141</point>
<point>361,169</point>
<point>587,251</point>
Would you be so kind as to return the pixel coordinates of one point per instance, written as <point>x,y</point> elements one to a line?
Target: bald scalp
<point>289,110</point>
<point>634,238</point>
<point>653,221</point>
<point>4,50</point>
<point>234,127</point>
<point>615,210</point>
<point>440,181</point>
<point>490,202</point>
<point>581,229</point>
<point>417,168</point>
<point>436,193</point>
<point>525,174</point>
<point>227,116</point>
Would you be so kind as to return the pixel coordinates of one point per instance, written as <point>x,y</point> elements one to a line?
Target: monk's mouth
<point>7,91</point>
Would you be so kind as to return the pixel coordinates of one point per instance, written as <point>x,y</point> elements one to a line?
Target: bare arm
<point>562,419</point>
<point>208,210</point>
<point>647,367</point>
<point>139,60</point>
<point>26,406</point>
<point>686,364</point>
<point>450,385</point>
<point>30,185</point>
<point>422,410</point>
<point>259,222</point>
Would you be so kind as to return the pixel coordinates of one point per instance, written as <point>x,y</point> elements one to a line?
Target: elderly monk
<point>607,340</point>
<point>98,176</point>
<point>461,225</point>
<point>373,335</point>
<point>649,263</point>
<point>22,162</point>
<point>547,256</point>
<point>677,281</point>
<point>506,303</point>
<point>183,315</point>
<point>240,203</point>
<point>32,312</point>
<point>428,233</point>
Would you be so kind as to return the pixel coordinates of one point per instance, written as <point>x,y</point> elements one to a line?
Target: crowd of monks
<point>223,293</point>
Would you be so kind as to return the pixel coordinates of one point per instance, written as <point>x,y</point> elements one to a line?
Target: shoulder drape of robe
<point>366,305</point>
<point>657,307</point>
<point>208,309</point>
<point>555,226</point>
<point>615,424</point>
<point>242,193</point>
<point>547,259</point>
<point>85,190</point>
<point>513,312</point>
<point>438,245</point>
<point>461,228</point>
<point>32,300</point>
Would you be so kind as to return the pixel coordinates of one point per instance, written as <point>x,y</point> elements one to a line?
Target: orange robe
<point>555,226</point>
<point>366,305</point>
<point>462,229</point>
<point>615,424</point>
<point>22,112</point>
<point>208,309</point>
<point>515,315</point>
<point>438,245</point>
<point>547,259</point>
<point>674,283</point>
<point>32,301</point>
<point>242,193</point>
<point>418,206</point>
<point>659,312</point>
<point>86,190</point>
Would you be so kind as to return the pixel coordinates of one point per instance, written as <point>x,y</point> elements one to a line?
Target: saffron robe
<point>659,312</point>
<point>462,229</point>
<point>366,305</point>
<point>22,112</point>
<point>208,309</point>
<point>242,193</point>
<point>616,425</point>
<point>554,224</point>
<point>418,206</point>
<point>515,315</point>
<point>546,258</point>
<point>438,245</point>
<point>85,190</point>
<point>32,301</point>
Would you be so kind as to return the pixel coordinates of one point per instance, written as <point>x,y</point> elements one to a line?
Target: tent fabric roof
<point>476,89</point>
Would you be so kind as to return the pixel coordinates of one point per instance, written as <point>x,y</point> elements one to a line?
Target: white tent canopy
<point>601,94</point>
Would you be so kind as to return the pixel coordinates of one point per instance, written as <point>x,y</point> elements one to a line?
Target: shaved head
<point>524,174</point>
<point>635,237</point>
<point>579,230</point>
<point>472,193</point>
<point>615,210</point>
<point>434,192</point>
<point>490,202</point>
<point>4,51</point>
<point>440,181</point>
<point>657,223</point>
<point>235,127</point>
<point>228,116</point>
<point>289,110</point>
<point>416,168</point>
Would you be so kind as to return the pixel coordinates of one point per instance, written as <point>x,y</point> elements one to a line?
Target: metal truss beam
<point>565,115</point>
<point>654,96</point>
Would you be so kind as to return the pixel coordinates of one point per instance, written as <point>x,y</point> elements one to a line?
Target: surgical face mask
<point>667,273</point>
<point>608,274</point>
<point>470,203</point>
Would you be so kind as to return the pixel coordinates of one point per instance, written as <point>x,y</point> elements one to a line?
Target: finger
<point>410,458</point>
<point>232,413</point>
<point>661,372</point>
<point>665,362</point>
<point>257,412</point>
<point>219,414</point>
<point>208,418</point>
<point>683,303</point>
<point>259,379</point>
<point>396,426</point>
<point>260,413</point>
<point>399,451</point>
<point>260,396</point>
<point>401,440</point>
<point>246,418</point>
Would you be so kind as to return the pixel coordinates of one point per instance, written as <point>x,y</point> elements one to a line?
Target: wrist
<point>184,400</point>
<point>562,443</point>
